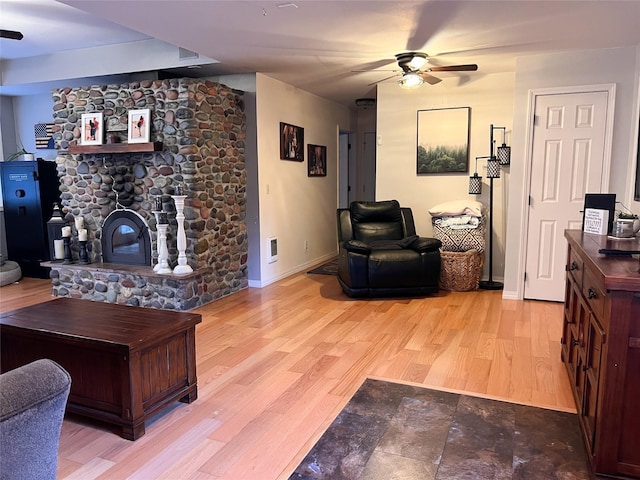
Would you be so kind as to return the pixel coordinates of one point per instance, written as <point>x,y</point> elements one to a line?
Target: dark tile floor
<point>392,431</point>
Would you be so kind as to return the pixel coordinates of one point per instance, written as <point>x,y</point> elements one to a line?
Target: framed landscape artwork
<point>316,161</point>
<point>91,129</point>
<point>443,141</point>
<point>291,142</point>
<point>138,125</point>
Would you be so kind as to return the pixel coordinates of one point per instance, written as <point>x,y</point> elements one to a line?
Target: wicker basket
<point>459,240</point>
<point>460,271</point>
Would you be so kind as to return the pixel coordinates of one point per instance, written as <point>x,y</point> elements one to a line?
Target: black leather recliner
<point>380,254</point>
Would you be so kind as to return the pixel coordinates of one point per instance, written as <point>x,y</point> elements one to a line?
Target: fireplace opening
<point>126,239</point>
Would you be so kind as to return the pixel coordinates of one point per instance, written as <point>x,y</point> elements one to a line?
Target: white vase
<point>27,157</point>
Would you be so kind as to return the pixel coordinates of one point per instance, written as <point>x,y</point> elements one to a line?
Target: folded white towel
<point>458,222</point>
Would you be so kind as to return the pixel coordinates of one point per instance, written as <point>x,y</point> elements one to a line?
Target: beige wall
<point>294,207</point>
<point>491,100</point>
<point>579,68</point>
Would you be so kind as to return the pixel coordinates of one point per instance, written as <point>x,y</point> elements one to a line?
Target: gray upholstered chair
<point>32,403</point>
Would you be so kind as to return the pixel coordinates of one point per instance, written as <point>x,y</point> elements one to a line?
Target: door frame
<point>610,89</point>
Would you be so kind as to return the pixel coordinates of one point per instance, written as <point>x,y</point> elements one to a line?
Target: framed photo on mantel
<point>91,129</point>
<point>138,125</point>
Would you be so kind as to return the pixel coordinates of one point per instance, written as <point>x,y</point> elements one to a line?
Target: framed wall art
<point>138,125</point>
<point>91,128</point>
<point>291,142</point>
<point>316,161</point>
<point>44,135</point>
<point>443,140</point>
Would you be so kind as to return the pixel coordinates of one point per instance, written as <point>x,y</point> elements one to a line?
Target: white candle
<point>66,231</point>
<point>79,223</point>
<point>58,249</point>
<point>82,234</point>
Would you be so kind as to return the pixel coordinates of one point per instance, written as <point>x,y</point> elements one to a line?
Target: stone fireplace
<point>125,238</point>
<point>198,138</point>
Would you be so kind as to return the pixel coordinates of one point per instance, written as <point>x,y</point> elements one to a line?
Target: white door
<point>567,162</point>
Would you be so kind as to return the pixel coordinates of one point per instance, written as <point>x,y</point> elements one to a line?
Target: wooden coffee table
<point>126,363</point>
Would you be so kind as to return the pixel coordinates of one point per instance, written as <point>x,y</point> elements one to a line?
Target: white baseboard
<point>297,269</point>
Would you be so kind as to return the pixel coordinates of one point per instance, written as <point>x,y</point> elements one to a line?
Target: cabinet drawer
<point>575,267</point>
<point>593,291</point>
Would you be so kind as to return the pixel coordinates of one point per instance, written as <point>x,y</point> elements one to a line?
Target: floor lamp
<point>475,188</point>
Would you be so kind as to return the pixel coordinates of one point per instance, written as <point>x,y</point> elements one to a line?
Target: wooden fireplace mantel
<point>117,148</point>
<point>125,269</point>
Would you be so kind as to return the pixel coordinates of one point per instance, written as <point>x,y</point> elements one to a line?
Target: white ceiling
<point>317,44</point>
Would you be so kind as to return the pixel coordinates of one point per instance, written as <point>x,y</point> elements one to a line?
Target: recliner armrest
<point>425,244</point>
<point>357,246</point>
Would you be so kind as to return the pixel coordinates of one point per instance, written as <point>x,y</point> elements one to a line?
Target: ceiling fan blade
<point>374,71</point>
<point>430,19</point>
<point>12,34</point>
<point>387,78</point>
<point>455,68</point>
<point>430,79</point>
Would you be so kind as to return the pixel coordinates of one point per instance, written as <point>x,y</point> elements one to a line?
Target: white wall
<point>29,110</point>
<point>592,67</point>
<point>247,83</point>
<point>294,207</point>
<point>491,100</point>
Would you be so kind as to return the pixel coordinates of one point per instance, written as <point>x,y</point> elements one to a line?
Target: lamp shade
<point>410,80</point>
<point>475,184</point>
<point>493,168</point>
<point>504,154</point>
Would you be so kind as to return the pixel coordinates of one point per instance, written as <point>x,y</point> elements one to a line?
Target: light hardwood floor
<point>276,365</point>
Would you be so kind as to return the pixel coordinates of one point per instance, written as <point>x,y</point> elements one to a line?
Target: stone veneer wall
<point>202,127</point>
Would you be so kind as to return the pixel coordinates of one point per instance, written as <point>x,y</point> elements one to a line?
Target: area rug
<point>329,268</point>
<point>395,431</point>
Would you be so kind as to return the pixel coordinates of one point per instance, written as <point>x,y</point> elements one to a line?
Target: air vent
<point>272,249</point>
<point>365,103</point>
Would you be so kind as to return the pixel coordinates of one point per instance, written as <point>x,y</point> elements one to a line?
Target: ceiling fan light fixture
<point>418,61</point>
<point>410,80</point>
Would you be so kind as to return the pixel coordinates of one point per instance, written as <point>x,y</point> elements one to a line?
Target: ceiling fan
<point>11,34</point>
<point>415,74</point>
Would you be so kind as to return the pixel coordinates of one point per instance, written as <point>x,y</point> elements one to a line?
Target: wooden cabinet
<point>601,349</point>
<point>126,363</point>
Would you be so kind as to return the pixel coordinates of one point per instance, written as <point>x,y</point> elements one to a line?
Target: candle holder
<point>156,213</point>
<point>163,254</point>
<point>183,267</point>
<point>83,258</point>
<point>67,251</point>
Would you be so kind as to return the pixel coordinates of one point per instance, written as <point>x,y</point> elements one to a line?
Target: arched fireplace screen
<point>126,239</point>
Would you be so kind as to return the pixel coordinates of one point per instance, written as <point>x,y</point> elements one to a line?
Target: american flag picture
<point>44,135</point>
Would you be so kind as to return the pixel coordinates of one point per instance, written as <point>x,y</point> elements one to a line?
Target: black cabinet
<point>29,190</point>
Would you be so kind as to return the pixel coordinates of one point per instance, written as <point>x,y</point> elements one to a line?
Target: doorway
<point>369,164</point>
<point>570,149</point>
<point>344,172</point>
